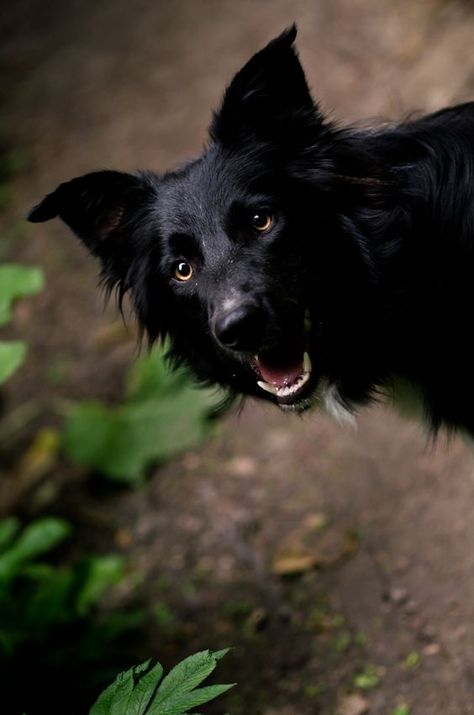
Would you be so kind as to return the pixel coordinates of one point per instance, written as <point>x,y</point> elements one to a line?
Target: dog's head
<point>229,255</point>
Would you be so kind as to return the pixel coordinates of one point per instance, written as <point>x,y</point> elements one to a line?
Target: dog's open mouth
<point>284,376</point>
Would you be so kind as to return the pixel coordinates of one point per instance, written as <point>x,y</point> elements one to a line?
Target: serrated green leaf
<point>114,699</point>
<point>218,654</point>
<point>187,675</point>
<point>98,574</point>
<point>179,703</point>
<point>134,692</point>
<point>145,690</point>
<point>37,538</point>
<point>17,282</point>
<point>9,527</point>
<point>11,356</point>
<point>103,704</point>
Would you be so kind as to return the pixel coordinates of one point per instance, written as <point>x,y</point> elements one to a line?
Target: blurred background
<point>339,564</point>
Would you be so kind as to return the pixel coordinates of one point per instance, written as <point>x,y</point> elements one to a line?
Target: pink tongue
<point>281,376</point>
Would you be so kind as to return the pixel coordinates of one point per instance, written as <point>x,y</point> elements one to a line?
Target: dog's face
<point>229,255</point>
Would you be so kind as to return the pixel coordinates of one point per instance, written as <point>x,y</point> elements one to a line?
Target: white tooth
<point>292,389</point>
<point>268,388</point>
<point>307,362</point>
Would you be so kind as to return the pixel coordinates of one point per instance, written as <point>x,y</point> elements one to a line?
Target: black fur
<point>372,233</point>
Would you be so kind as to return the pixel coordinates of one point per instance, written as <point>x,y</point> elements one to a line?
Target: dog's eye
<point>183,271</point>
<point>262,221</point>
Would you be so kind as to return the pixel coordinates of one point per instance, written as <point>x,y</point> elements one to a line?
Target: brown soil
<point>377,522</point>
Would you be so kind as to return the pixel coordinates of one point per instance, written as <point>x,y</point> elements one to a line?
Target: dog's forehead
<point>199,194</point>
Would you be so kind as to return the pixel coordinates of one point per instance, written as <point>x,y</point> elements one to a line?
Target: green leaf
<point>188,674</point>
<point>39,537</point>
<point>166,415</point>
<point>218,654</point>
<point>151,377</point>
<point>136,691</point>
<point>9,527</point>
<point>11,356</point>
<point>401,710</point>
<point>17,282</point>
<point>179,704</point>
<point>115,699</point>
<point>144,691</point>
<point>98,574</point>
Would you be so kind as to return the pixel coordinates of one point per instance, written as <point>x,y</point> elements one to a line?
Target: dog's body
<point>294,258</point>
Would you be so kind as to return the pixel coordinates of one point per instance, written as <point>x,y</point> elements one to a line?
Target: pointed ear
<point>101,209</point>
<point>268,98</point>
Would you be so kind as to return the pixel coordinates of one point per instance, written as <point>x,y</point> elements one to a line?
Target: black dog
<point>295,259</point>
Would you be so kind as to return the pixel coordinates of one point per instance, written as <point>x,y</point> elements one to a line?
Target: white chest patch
<point>335,406</point>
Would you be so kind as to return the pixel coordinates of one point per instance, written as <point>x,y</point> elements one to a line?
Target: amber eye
<point>183,271</point>
<point>262,221</point>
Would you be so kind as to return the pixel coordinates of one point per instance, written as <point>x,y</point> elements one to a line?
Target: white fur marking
<point>231,302</point>
<point>335,407</point>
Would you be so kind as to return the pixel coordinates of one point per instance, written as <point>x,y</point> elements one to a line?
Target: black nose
<point>240,328</point>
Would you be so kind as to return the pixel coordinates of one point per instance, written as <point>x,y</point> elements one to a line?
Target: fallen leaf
<point>315,522</point>
<point>292,564</point>
<point>40,457</point>
<point>334,545</point>
<point>353,705</point>
<point>242,466</point>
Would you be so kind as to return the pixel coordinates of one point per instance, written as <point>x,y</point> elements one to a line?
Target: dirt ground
<point>377,522</point>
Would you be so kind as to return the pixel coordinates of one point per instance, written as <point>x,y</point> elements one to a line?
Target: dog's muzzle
<point>240,327</point>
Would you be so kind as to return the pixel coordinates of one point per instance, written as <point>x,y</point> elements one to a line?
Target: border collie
<point>296,260</point>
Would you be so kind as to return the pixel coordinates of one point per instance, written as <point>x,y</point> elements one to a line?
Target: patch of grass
<point>342,642</point>
<point>316,690</point>
<point>368,678</point>
<point>238,610</point>
<point>361,638</point>
<point>412,661</point>
<point>164,616</point>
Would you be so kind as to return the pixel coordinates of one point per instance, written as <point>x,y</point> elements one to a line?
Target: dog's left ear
<point>269,98</point>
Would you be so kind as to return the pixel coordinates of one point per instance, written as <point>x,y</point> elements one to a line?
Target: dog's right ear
<point>100,208</point>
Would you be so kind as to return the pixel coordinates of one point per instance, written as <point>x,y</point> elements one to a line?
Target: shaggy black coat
<point>291,235</point>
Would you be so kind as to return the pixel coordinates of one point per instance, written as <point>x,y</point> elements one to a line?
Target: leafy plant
<point>36,596</point>
<point>49,618</point>
<point>138,691</point>
<point>163,414</point>
<point>15,282</point>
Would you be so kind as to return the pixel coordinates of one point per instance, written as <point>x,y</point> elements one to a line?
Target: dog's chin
<point>299,406</point>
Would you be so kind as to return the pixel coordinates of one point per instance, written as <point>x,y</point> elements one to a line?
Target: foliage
<point>15,282</point>
<point>49,618</point>
<point>163,414</point>
<point>368,678</point>
<point>36,596</point>
<point>11,161</point>
<point>138,691</point>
